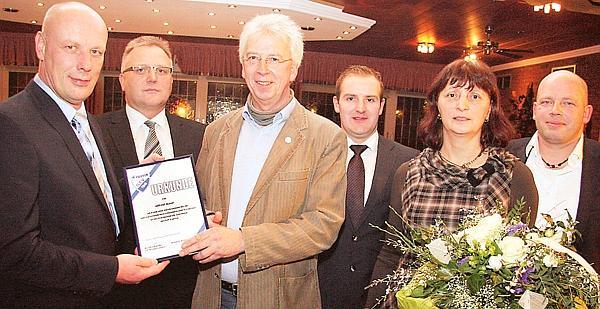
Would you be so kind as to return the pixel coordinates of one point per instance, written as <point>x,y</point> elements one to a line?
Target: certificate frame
<point>167,207</point>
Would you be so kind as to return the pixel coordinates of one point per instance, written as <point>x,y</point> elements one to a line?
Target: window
<point>408,115</point>
<point>224,97</point>
<point>17,81</point>
<point>320,103</point>
<point>503,82</point>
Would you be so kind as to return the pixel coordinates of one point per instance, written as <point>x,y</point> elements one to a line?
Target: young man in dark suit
<point>61,205</point>
<point>345,269</point>
<point>141,128</point>
<point>565,164</point>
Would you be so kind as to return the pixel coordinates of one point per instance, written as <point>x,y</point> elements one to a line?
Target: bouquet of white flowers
<point>492,261</point>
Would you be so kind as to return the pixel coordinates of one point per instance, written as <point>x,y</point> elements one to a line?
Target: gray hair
<point>277,25</point>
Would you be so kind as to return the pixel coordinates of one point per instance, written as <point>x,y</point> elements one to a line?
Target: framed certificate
<point>166,206</point>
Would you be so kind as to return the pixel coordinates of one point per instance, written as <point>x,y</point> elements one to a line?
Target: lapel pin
<point>288,139</point>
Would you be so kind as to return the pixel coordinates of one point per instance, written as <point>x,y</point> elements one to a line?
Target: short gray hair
<point>277,25</point>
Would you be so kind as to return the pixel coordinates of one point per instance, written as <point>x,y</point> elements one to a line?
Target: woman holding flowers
<point>465,167</point>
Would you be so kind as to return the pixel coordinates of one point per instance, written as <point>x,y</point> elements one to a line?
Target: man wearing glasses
<point>565,164</point>
<point>275,174</point>
<point>137,131</point>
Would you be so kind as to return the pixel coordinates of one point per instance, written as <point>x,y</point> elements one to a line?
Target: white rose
<point>488,229</point>
<point>550,260</point>
<point>439,250</point>
<point>513,249</point>
<point>558,235</point>
<point>495,262</point>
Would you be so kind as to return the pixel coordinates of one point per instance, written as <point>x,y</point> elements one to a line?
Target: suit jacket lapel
<point>178,140</point>
<point>55,117</point>
<point>120,132</point>
<point>281,152</point>
<point>379,179</point>
<point>226,148</point>
<point>588,182</point>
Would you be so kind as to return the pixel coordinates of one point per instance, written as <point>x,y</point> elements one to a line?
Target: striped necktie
<point>152,144</point>
<point>83,135</point>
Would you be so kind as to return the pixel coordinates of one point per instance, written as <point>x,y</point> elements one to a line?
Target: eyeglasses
<point>145,69</point>
<point>269,61</point>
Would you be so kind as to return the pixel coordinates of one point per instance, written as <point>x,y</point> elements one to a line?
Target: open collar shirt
<point>558,189</point>
<point>253,147</point>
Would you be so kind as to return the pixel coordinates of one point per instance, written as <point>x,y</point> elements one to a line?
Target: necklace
<point>467,163</point>
<point>554,166</point>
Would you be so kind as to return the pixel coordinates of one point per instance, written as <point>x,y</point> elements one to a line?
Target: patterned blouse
<point>435,188</point>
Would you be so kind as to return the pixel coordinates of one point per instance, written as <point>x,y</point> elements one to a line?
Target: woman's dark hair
<point>496,132</point>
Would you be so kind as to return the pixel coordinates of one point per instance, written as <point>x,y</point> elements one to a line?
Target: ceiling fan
<point>488,47</point>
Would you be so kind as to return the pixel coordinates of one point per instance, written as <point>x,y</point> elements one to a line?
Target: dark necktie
<point>152,145</point>
<point>355,192</point>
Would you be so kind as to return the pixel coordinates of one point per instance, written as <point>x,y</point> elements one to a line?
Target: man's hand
<point>215,243</point>
<point>133,269</point>
<point>153,157</point>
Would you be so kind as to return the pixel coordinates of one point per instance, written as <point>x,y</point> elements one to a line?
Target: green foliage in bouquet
<point>492,261</point>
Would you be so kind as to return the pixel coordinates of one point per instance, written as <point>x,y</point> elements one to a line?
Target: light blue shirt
<point>253,147</point>
<point>69,113</point>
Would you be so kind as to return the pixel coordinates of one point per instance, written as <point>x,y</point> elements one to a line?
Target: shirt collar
<point>137,119</point>
<point>281,116</point>
<point>370,142</point>
<point>533,147</point>
<point>68,110</point>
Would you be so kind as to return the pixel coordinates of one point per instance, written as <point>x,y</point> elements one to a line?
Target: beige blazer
<point>294,213</point>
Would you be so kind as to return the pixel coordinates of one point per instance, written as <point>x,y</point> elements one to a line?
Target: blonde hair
<point>146,40</point>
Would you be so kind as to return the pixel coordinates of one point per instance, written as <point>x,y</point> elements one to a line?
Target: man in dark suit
<point>60,202</point>
<point>146,79</point>
<point>565,164</point>
<point>345,269</point>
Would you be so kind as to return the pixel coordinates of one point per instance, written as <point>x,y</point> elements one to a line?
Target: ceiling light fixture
<point>102,7</point>
<point>241,22</point>
<point>34,21</point>
<point>318,19</point>
<point>211,13</point>
<point>149,1</point>
<point>165,23</point>
<point>425,47</point>
<point>110,28</point>
<point>470,57</point>
<point>213,27</point>
<point>276,10</point>
<point>339,37</point>
<point>547,8</point>
<point>117,20</point>
<point>170,32</point>
<point>155,10</point>
<point>352,27</point>
<point>346,32</point>
<point>40,4</point>
<point>232,6</point>
<point>230,36</point>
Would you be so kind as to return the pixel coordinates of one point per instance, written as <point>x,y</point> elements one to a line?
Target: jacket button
<point>352,268</point>
<point>354,238</point>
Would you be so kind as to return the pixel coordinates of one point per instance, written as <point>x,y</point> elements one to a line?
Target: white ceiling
<point>191,17</point>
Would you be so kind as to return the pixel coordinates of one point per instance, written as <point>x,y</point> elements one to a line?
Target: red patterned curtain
<point>222,61</point>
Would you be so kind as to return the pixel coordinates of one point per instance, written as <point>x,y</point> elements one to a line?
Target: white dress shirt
<point>558,189</point>
<point>140,132</point>
<point>369,157</point>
